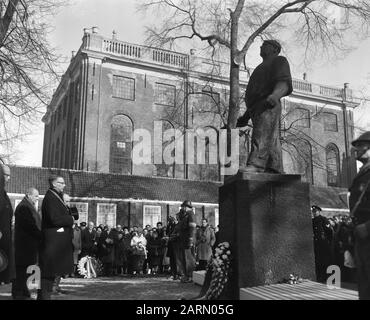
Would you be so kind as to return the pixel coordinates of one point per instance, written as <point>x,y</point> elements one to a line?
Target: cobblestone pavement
<point>120,288</point>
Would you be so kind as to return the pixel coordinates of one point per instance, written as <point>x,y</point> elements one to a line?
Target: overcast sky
<point>121,16</point>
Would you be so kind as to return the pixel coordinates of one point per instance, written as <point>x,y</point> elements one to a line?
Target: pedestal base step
<point>198,277</point>
<point>306,290</point>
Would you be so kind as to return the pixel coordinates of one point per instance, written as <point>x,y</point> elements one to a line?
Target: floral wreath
<point>292,279</point>
<point>220,267</point>
<point>89,267</point>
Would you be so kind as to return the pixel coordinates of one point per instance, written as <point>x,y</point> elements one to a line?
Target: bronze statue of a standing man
<point>269,82</point>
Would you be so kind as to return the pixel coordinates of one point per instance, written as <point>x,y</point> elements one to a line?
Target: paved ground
<point>120,288</point>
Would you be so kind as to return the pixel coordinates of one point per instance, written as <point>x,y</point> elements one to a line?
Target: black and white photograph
<point>199,151</point>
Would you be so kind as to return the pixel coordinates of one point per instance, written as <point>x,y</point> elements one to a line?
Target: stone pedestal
<point>267,220</point>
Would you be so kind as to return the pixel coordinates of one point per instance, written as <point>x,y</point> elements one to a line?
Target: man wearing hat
<point>185,256</point>
<point>322,243</point>
<point>359,204</point>
<point>269,82</point>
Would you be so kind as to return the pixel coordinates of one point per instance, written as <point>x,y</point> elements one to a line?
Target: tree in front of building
<point>27,66</point>
<point>231,27</point>
<point>227,30</point>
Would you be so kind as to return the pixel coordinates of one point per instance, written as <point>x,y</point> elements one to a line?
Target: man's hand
<point>361,231</point>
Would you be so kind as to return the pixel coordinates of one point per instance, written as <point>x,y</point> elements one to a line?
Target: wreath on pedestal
<point>292,279</point>
<point>90,267</point>
<point>220,267</point>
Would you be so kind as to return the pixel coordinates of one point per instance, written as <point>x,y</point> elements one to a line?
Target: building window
<point>332,165</point>
<point>330,122</point>
<point>123,88</point>
<point>120,145</point>
<point>151,215</point>
<point>211,169</point>
<point>106,214</point>
<point>83,211</point>
<point>165,94</point>
<point>304,160</point>
<point>163,169</point>
<point>301,118</point>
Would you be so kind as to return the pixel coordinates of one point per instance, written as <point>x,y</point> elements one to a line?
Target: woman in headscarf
<point>7,263</point>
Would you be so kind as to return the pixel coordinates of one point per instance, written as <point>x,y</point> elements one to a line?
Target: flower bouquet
<point>220,267</point>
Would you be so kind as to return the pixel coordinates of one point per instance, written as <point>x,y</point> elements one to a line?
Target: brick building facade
<point>111,88</point>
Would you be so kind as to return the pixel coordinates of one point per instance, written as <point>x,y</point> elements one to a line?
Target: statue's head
<point>270,48</point>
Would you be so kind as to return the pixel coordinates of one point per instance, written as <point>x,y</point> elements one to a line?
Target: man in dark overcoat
<point>322,244</point>
<point>7,271</point>
<point>27,239</point>
<point>185,254</point>
<point>359,203</point>
<point>56,254</point>
<point>89,241</point>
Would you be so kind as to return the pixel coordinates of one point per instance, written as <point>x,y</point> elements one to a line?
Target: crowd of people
<point>333,245</point>
<point>56,243</point>
<point>138,251</point>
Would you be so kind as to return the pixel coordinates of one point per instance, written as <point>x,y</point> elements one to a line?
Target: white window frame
<point>82,213</point>
<point>150,218</point>
<point>113,207</point>
<point>217,217</point>
<point>164,91</point>
<point>124,90</point>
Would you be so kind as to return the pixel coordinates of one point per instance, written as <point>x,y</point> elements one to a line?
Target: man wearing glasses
<point>56,254</point>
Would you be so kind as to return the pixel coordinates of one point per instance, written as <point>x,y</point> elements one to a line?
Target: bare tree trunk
<point>7,19</point>
<point>234,95</point>
<point>234,68</point>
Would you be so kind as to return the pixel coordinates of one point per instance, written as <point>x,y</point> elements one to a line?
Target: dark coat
<point>106,249</point>
<point>6,245</point>
<point>27,238</point>
<point>88,240</point>
<point>155,247</point>
<point>186,228</point>
<point>56,255</point>
<point>362,213</point>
